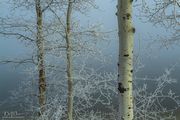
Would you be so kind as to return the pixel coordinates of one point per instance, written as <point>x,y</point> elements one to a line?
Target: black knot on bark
<point>121,88</point>
<point>126,55</point>
<point>133,30</point>
<point>128,15</point>
<point>117,64</point>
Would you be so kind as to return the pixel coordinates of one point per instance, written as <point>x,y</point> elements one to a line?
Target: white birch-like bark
<point>125,65</point>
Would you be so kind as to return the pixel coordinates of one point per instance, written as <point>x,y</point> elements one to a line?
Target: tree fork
<point>125,69</point>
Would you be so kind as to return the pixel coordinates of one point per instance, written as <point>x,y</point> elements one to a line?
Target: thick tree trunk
<point>125,65</point>
<point>69,61</point>
<point>41,65</point>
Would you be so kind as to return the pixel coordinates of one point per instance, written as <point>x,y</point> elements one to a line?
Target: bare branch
<point>44,9</point>
<point>18,34</point>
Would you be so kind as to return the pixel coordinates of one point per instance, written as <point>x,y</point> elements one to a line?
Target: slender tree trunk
<point>125,65</point>
<point>41,65</point>
<point>69,61</point>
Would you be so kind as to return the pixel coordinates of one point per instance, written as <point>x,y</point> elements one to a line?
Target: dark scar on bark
<point>126,55</point>
<point>121,88</point>
<point>128,15</point>
<point>133,30</point>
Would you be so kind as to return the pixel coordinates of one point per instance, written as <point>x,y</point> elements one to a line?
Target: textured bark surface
<point>69,61</point>
<point>125,66</point>
<point>41,66</point>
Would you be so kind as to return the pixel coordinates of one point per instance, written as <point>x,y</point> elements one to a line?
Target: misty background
<point>155,56</point>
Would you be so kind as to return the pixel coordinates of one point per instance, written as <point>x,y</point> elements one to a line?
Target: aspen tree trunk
<point>69,61</point>
<point>41,65</point>
<point>125,65</point>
